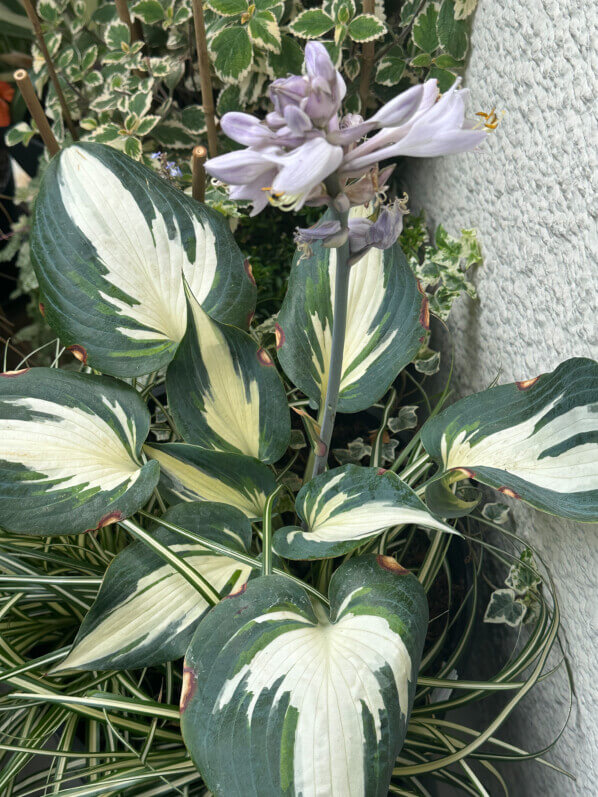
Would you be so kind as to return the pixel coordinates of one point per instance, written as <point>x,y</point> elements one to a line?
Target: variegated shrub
<point>174,428</point>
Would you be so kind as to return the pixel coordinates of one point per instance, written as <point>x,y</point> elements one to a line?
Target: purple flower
<point>291,155</point>
<point>363,232</point>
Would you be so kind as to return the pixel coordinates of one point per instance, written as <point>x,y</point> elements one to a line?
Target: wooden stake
<point>198,186</point>
<point>35,109</point>
<point>367,62</point>
<point>34,19</point>
<point>203,63</point>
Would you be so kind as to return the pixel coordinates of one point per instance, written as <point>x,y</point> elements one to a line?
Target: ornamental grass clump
<point>170,528</point>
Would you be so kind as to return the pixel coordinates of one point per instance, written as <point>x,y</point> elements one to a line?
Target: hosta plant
<point>296,591</point>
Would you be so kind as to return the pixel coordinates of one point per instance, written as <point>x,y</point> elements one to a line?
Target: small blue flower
<point>173,170</point>
<point>155,155</point>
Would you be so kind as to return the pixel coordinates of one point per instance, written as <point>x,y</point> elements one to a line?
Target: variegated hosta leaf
<point>344,507</point>
<point>225,393</point>
<point>536,440</point>
<point>70,449</point>
<point>384,324</point>
<point>111,242</point>
<point>146,612</point>
<point>190,473</point>
<point>279,698</point>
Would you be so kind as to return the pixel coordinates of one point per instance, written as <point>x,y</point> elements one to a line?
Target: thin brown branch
<point>122,9</point>
<point>203,63</point>
<point>37,28</point>
<point>35,109</point>
<point>198,186</point>
<point>368,53</point>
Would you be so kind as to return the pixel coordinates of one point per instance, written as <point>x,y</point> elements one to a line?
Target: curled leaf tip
<point>508,492</point>
<point>279,334</point>
<point>249,271</point>
<point>237,592</point>
<point>189,687</point>
<point>525,384</point>
<point>390,563</point>
<point>264,358</point>
<point>78,352</point>
<point>106,520</point>
<point>12,374</point>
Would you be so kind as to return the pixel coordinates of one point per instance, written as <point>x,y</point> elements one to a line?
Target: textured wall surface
<point>531,195</point>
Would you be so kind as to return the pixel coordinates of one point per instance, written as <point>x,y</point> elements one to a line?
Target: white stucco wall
<point>531,195</point>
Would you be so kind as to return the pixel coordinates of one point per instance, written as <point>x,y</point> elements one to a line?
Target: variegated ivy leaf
<point>346,506</point>
<point>385,322</point>
<point>366,28</point>
<point>311,24</point>
<point>505,608</point>
<point>190,473</point>
<point>224,391</point>
<point>536,440</point>
<point>232,53</point>
<point>312,703</point>
<point>70,449</point>
<point>264,32</point>
<point>146,612</point>
<point>111,242</point>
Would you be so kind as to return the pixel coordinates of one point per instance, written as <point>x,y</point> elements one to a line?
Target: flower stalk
<point>339,329</point>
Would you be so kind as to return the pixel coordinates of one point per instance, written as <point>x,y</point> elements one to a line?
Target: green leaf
<point>446,61</point>
<point>304,698</point>
<point>145,612</point>
<point>70,448</point>
<point>421,60</point>
<point>21,133</point>
<point>227,8</point>
<point>346,506</point>
<point>290,59</point>
<point>390,67</point>
<point>116,35</point>
<point>224,391</point>
<point>111,242</point>
<point>464,8</point>
<point>452,32</point>
<point>505,608</point>
<point>229,100</point>
<point>441,500</point>
<point>190,473</point>
<point>311,24</point>
<point>406,419</point>
<point>173,134</point>
<point>366,28</point>
<point>148,11</point>
<point>263,31</point>
<point>132,147</point>
<point>496,512</point>
<point>194,118</point>
<point>523,575</point>
<point>536,440</point>
<point>424,29</point>
<point>445,79</point>
<point>146,125</point>
<point>233,54</point>
<point>384,328</point>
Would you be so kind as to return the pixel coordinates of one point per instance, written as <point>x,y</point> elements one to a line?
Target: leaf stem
<point>37,28</point>
<point>267,532</point>
<point>225,550</point>
<point>339,327</point>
